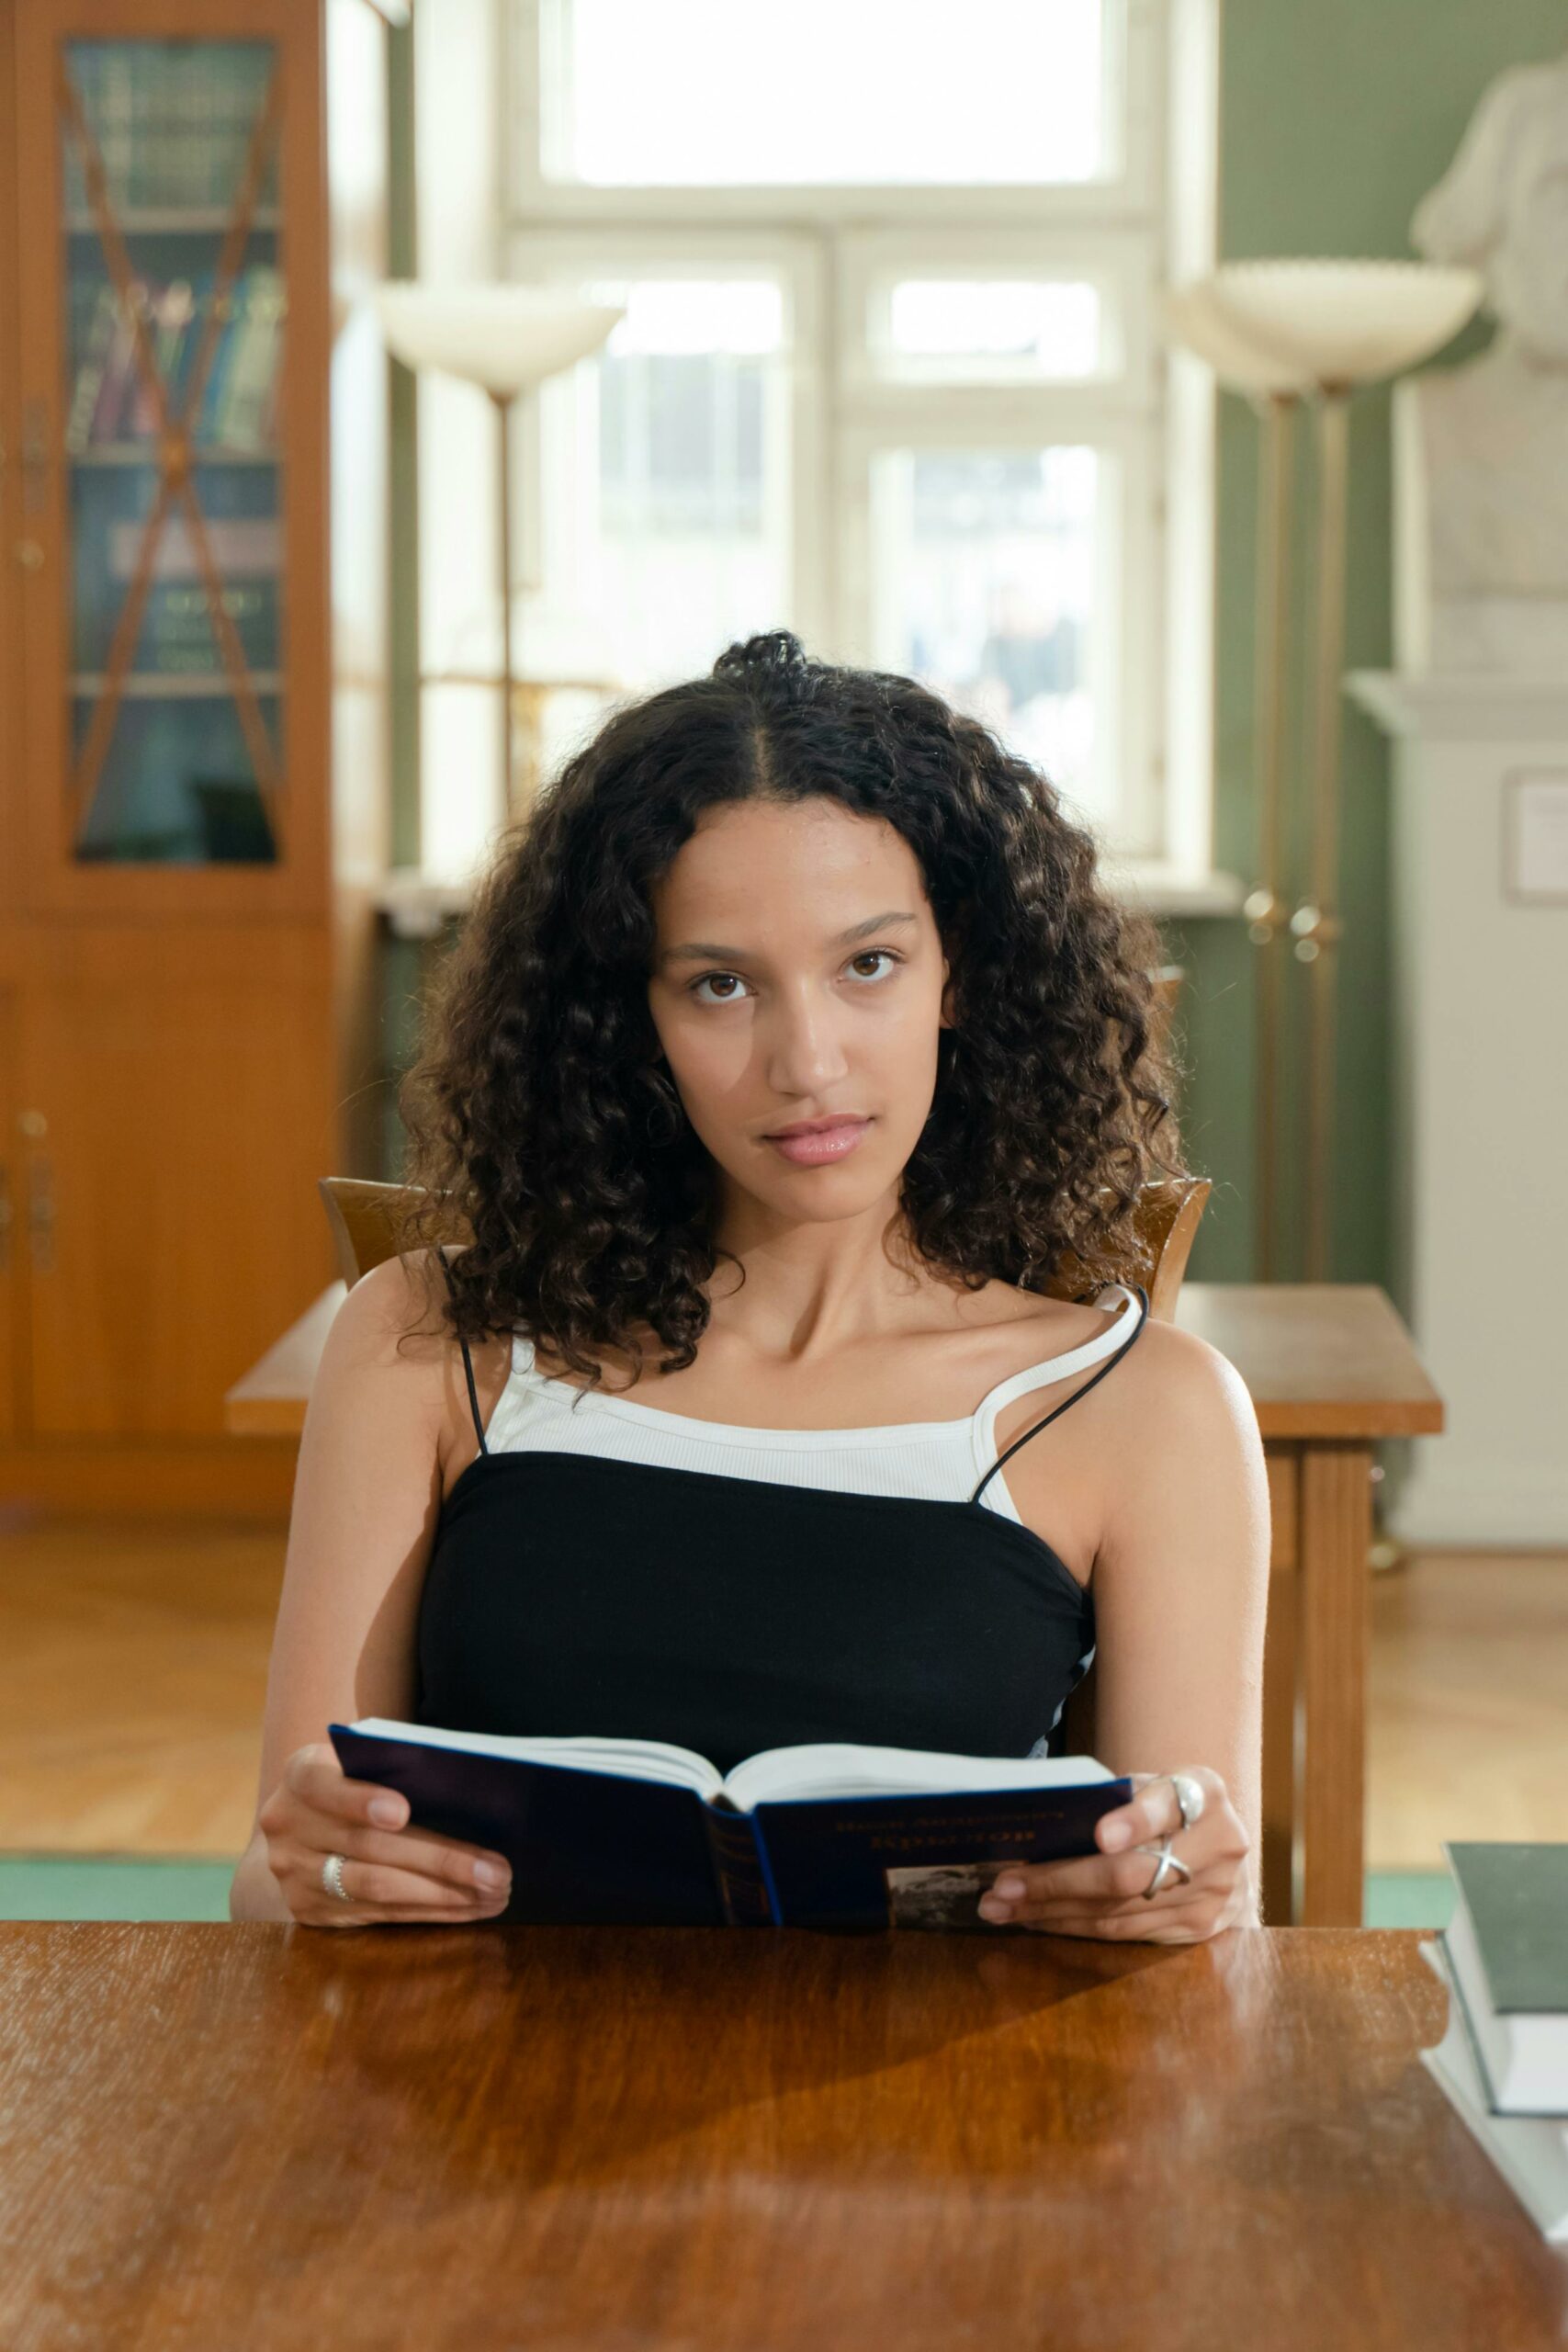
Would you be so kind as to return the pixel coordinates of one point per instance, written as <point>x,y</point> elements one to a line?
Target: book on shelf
<point>822,1835</point>
<point>1531,2152</point>
<point>1506,1943</point>
<point>95,342</point>
<point>171,121</point>
<point>112,397</point>
<point>234,404</point>
<point>248,544</point>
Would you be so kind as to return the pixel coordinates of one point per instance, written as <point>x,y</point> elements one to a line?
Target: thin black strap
<point>1108,1365</point>
<point>468,1360</point>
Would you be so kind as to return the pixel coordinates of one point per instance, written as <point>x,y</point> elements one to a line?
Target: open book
<point>826,1834</point>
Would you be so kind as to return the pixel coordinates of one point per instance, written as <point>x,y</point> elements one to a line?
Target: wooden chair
<point>364,1217</point>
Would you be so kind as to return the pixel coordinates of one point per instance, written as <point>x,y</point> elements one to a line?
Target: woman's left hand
<point>1101,1895</point>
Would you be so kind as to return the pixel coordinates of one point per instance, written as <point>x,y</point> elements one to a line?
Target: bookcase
<point>193,798</point>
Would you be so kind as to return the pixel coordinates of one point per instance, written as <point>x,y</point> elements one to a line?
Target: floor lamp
<point>1275,393</point>
<point>506,339</point>
<point>1283,331</point>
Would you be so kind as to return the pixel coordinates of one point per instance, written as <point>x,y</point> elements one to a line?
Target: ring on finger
<point>332,1877</point>
<point>1167,1861</point>
<point>1189,1796</point>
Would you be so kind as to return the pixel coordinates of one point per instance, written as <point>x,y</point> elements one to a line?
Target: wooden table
<point>1331,1370</point>
<point>598,2139</point>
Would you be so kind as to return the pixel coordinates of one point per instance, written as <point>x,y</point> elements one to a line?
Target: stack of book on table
<point>1504,2060</point>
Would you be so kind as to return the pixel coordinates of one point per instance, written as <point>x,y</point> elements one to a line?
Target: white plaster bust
<point>1481,450</point>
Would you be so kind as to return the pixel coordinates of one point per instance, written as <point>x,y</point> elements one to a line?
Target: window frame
<point>1150,223</point>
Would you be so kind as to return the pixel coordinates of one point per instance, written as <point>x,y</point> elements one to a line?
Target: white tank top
<point>934,1461</point>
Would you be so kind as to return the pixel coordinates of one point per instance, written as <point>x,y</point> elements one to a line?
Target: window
<point>890,371</point>
<point>726,92</point>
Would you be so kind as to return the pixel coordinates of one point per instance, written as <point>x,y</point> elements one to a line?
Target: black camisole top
<point>571,1594</point>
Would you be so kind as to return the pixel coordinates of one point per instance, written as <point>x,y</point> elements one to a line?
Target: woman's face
<point>798,977</point>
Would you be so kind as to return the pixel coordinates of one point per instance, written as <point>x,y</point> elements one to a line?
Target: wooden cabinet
<point>192,623</point>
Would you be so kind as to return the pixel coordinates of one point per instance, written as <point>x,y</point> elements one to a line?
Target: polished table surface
<point>266,2137</point>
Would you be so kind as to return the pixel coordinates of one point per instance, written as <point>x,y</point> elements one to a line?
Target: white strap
<point>1040,1376</point>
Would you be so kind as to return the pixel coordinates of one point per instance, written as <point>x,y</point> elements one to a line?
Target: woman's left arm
<point>1181,1593</point>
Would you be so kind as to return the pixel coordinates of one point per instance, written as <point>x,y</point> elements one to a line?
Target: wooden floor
<point>133,1664</point>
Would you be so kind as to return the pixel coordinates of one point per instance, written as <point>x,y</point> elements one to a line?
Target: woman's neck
<point>804,1290</point>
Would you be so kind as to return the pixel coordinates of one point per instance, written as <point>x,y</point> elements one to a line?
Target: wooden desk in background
<point>486,2139</point>
<point>1330,1369</point>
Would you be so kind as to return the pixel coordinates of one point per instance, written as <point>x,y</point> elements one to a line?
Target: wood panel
<point>1332,1635</point>
<point>192,1479</point>
<point>186,1082</point>
<point>13,553</point>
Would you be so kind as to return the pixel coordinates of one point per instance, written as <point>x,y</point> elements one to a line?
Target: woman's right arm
<point>366,1498</point>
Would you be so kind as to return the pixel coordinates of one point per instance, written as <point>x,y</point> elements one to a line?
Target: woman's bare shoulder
<point>391,1330</point>
<point>399,1299</point>
<point>1176,1405</point>
<point>1182,1369</point>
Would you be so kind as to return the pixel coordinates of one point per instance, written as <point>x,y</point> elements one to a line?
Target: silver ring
<point>1190,1797</point>
<point>332,1877</point>
<point>1167,1860</point>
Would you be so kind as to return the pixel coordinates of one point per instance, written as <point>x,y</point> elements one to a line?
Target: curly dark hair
<point>539,1112</point>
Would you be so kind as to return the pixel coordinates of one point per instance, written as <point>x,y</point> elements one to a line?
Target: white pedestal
<point>1480,972</point>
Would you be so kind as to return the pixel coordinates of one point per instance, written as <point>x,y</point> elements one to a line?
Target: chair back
<point>366,1218</point>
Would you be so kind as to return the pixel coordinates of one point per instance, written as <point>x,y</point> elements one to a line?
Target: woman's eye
<point>873,955</point>
<point>728,987</point>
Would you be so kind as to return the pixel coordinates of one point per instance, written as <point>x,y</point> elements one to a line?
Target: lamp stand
<point>503,405</point>
<point>1317,927</point>
<point>1264,908</point>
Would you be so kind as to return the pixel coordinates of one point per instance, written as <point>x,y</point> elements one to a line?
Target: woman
<point>788,1050</point>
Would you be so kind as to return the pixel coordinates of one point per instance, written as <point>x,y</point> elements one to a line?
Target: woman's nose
<point>804,1048</point>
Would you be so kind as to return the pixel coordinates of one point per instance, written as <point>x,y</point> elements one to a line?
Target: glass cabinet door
<point>174,317</point>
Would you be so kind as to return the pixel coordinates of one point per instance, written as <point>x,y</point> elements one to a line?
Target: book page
<point>635,1759</point>
<point>841,1769</point>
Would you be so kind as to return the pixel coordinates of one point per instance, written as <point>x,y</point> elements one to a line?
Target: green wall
<point>1336,119</point>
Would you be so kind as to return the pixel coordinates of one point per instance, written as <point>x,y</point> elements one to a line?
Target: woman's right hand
<point>389,1871</point>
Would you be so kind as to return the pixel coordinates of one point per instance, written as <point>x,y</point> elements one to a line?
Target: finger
<point>1134,1918</point>
<point>1125,1881</point>
<point>317,1779</point>
<point>1132,1908</point>
<point>1105,1878</point>
<point>314,1776</point>
<point>444,1860</point>
<point>1153,1810</point>
<point>383,1885</point>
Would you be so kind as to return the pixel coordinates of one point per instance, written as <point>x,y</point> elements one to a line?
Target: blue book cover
<point>903,1840</point>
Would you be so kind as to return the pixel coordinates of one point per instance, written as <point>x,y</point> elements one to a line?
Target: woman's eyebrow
<point>704,951</point>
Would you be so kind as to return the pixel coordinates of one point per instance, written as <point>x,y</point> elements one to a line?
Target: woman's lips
<point>816,1146</point>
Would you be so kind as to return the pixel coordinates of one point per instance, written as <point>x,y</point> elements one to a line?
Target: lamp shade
<point>506,338</point>
<point>1343,322</point>
<point>1198,324</point>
